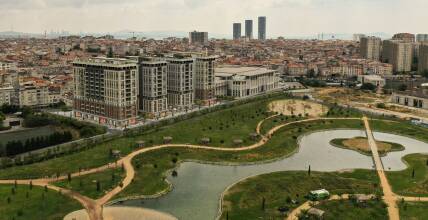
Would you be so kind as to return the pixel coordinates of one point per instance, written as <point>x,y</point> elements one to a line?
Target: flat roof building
<point>205,79</point>
<point>197,37</point>
<point>246,81</point>
<point>249,29</point>
<point>262,28</point>
<point>237,31</point>
<point>180,82</point>
<point>370,47</point>
<point>153,86</point>
<point>105,91</point>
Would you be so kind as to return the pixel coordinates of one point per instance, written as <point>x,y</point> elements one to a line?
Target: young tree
<point>69,177</point>
<point>309,170</point>
<point>98,186</point>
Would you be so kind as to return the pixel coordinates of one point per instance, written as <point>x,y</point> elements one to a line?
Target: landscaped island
<point>361,145</point>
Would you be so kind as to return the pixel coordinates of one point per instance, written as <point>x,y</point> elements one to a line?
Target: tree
<point>402,87</point>
<point>263,203</point>
<point>309,170</point>
<point>31,185</point>
<point>69,177</point>
<point>413,173</point>
<point>425,73</point>
<point>110,52</point>
<point>98,186</point>
<point>368,86</point>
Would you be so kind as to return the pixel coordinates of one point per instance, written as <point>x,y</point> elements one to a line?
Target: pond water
<point>198,187</point>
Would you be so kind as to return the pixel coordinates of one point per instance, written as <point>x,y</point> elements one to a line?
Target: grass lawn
<point>413,210</point>
<point>222,127</point>
<point>402,182</point>
<point>244,200</point>
<point>348,210</point>
<point>400,128</point>
<point>360,144</point>
<point>87,185</point>
<point>277,120</point>
<point>39,204</point>
<point>151,167</point>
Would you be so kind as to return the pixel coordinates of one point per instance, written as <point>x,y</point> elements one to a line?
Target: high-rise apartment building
<point>197,37</point>
<point>204,79</point>
<point>153,86</point>
<point>423,57</point>
<point>262,28</point>
<point>249,29</point>
<point>370,47</point>
<point>398,53</point>
<point>237,31</point>
<point>180,87</point>
<point>407,37</point>
<point>105,90</point>
<point>422,37</point>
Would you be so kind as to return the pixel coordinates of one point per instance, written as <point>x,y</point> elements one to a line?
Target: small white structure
<point>372,79</point>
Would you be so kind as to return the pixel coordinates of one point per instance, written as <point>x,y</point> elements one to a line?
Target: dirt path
<point>294,215</point>
<point>389,197</point>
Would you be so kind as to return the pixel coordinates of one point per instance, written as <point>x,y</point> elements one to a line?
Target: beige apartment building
<point>6,92</point>
<point>370,47</point>
<point>106,91</point>
<point>180,82</point>
<point>245,81</point>
<point>398,53</point>
<point>153,86</point>
<point>423,57</point>
<point>205,79</point>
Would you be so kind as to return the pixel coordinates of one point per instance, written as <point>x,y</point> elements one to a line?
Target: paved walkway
<point>389,197</point>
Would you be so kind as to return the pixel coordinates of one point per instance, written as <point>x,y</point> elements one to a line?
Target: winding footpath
<point>94,207</point>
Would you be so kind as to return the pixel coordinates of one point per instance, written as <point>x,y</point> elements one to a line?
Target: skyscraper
<point>262,28</point>
<point>237,31</point>
<point>399,53</point>
<point>370,47</point>
<point>197,37</point>
<point>249,29</point>
<point>105,90</point>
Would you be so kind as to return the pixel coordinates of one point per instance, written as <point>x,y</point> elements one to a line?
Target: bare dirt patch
<point>297,107</point>
<point>363,145</point>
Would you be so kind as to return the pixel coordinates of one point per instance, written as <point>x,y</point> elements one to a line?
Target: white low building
<point>417,98</point>
<point>245,81</point>
<point>372,79</point>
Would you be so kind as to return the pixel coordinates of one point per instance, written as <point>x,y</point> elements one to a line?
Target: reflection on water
<point>198,187</point>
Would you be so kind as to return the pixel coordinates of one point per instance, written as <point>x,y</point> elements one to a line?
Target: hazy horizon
<point>284,17</point>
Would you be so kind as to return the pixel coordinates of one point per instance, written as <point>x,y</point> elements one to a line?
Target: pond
<point>198,187</point>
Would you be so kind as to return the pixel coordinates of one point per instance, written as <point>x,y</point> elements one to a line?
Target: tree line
<point>16,147</point>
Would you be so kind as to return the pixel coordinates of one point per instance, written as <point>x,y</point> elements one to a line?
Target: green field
<point>244,200</point>
<point>34,204</point>
<point>349,210</point>
<point>338,142</point>
<point>87,185</point>
<point>403,183</point>
<point>151,167</point>
<point>222,127</point>
<point>413,210</point>
<point>400,128</point>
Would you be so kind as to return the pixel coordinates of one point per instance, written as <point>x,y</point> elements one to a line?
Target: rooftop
<point>243,71</point>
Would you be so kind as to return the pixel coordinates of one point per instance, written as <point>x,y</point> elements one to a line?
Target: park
<point>260,138</point>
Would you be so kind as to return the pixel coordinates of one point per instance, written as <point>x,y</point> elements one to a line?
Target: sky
<point>284,17</point>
